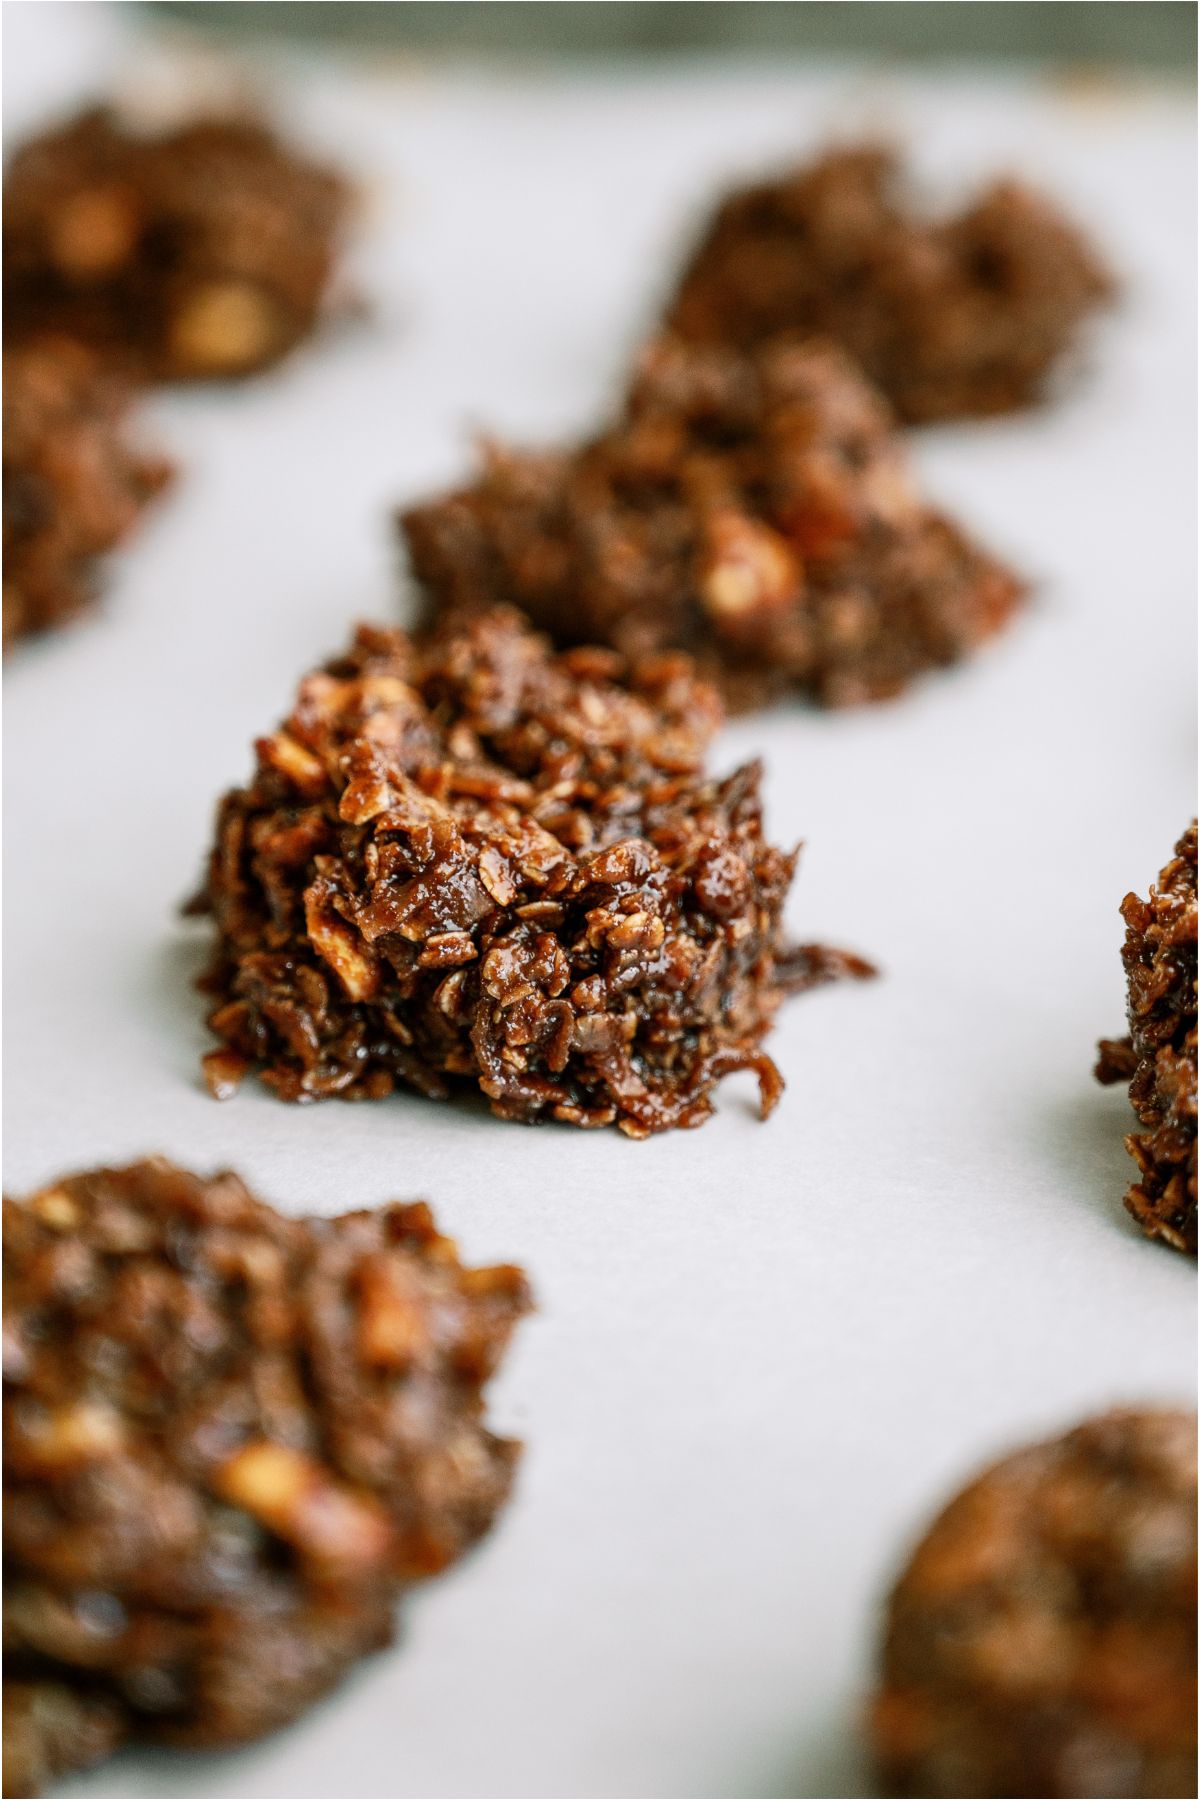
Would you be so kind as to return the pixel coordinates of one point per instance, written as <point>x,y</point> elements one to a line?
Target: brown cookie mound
<point>205,251</point>
<point>1042,1641</point>
<point>1158,1058</point>
<point>466,861</point>
<point>951,318</point>
<point>754,510</point>
<point>230,1439</point>
<point>74,483</point>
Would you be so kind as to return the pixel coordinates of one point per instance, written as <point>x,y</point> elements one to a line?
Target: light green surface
<point>1118,31</point>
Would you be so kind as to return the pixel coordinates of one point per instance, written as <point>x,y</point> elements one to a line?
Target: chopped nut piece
<point>613,933</point>
<point>950,318</point>
<point>56,1208</point>
<point>225,327</point>
<point>304,770</point>
<point>338,944</point>
<point>231,1438</point>
<point>68,1436</point>
<point>1042,1639</point>
<point>496,876</point>
<point>266,1479</point>
<point>291,1494</point>
<point>1158,1058</point>
<point>74,484</point>
<point>199,252</point>
<point>393,1329</point>
<point>752,509</point>
<point>749,570</point>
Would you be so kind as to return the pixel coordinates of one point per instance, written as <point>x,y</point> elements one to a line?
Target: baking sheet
<point>764,1353</point>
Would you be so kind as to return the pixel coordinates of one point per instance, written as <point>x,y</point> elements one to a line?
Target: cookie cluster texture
<point>202,251</point>
<point>752,508</point>
<point>1042,1641</point>
<point>464,861</point>
<point>75,481</point>
<point>955,317</point>
<point>1158,1058</point>
<point>231,1439</point>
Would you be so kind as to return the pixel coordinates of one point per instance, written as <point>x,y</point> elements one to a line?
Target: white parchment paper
<point>764,1353</point>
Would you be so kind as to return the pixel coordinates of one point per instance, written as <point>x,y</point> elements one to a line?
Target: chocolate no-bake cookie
<point>753,509</point>
<point>230,1439</point>
<point>74,482</point>
<point>952,317</point>
<point>464,861</point>
<point>1158,1058</point>
<point>203,251</point>
<point>1042,1641</point>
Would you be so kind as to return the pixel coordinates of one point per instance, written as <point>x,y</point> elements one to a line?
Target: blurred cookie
<point>951,318</point>
<point>231,1438</point>
<point>75,482</point>
<point>200,251</point>
<point>1158,1058</point>
<point>1042,1641</point>
<point>754,509</point>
